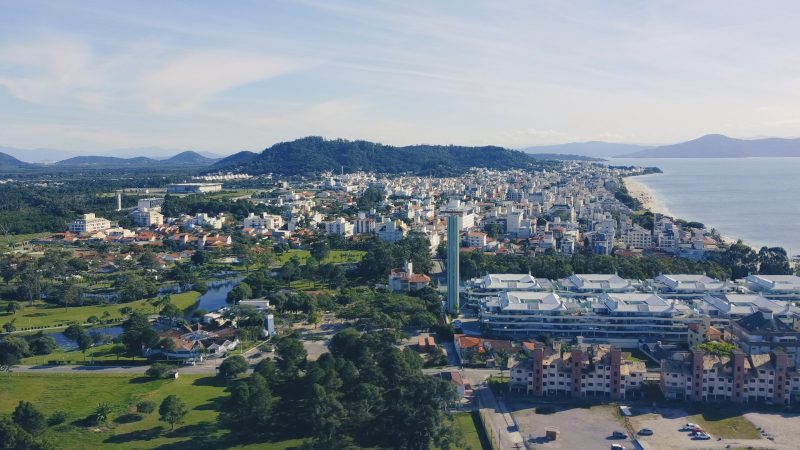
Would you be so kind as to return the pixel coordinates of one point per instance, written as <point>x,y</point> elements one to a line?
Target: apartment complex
<point>584,372</point>
<point>88,223</point>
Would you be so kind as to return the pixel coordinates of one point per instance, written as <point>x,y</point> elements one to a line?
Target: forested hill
<point>315,154</point>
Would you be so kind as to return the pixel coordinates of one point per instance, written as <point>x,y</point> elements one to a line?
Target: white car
<point>701,436</point>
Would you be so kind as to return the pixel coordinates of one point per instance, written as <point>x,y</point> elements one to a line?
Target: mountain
<point>720,146</point>
<point>594,149</point>
<point>107,161</point>
<point>189,158</point>
<point>9,162</point>
<point>316,154</point>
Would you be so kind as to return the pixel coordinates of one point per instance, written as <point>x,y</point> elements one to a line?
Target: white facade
<point>88,223</point>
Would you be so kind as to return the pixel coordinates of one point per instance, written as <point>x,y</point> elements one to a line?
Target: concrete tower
<point>119,201</point>
<point>452,264</point>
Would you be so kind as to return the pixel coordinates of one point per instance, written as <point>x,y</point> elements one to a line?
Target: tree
<point>291,356</point>
<point>240,292</point>
<point>198,258</point>
<point>233,366</point>
<point>741,259</point>
<point>13,437</point>
<point>102,412</point>
<point>42,344</point>
<point>138,335</point>
<point>320,250</point>
<point>29,418</point>
<point>171,312</point>
<point>148,260</point>
<point>773,261</point>
<point>717,348</point>
<point>12,349</point>
<point>12,307</point>
<point>9,327</point>
<point>160,370</point>
<point>250,405</point>
<point>172,410</point>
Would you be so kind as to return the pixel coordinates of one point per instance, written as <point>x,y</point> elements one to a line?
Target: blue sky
<point>225,76</point>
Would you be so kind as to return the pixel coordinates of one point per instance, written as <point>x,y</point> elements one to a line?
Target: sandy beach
<point>642,193</point>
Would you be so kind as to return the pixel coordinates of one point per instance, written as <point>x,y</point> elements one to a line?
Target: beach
<point>650,202</point>
<point>642,193</point>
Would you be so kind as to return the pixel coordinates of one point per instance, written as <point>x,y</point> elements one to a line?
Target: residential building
<point>763,332</point>
<point>587,371</point>
<point>88,223</point>
<point>339,226</point>
<point>146,217</point>
<point>596,283</point>
<point>688,284</point>
<point>738,377</point>
<point>392,230</point>
<point>774,285</point>
<point>405,280</point>
<point>263,221</point>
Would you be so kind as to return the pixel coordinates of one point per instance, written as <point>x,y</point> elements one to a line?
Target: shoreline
<point>652,203</point>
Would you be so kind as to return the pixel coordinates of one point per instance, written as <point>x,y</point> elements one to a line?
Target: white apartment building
<point>392,231</point>
<point>339,226</point>
<point>204,220</point>
<point>638,237</point>
<point>263,221</point>
<point>146,217</point>
<point>88,223</point>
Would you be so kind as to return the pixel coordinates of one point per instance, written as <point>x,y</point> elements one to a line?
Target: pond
<point>215,297</point>
<point>68,344</point>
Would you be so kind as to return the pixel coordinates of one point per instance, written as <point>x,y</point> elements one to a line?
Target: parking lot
<point>579,428</point>
<point>732,432</point>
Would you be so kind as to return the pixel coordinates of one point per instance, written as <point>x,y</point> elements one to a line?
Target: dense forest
<point>315,154</point>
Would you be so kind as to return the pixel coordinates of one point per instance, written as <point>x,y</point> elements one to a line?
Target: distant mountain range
<point>592,149</point>
<point>720,146</point>
<point>51,156</point>
<point>187,158</point>
<point>316,154</point>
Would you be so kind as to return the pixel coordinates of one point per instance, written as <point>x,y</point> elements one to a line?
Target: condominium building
<point>339,226</point>
<point>774,285</point>
<point>628,318</point>
<point>738,377</point>
<point>584,372</point>
<point>638,237</point>
<point>587,282</point>
<point>688,284</point>
<point>763,332</point>
<point>88,223</point>
<point>146,217</point>
<point>263,221</point>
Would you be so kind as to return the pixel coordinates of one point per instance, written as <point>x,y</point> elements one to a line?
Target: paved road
<point>504,430</point>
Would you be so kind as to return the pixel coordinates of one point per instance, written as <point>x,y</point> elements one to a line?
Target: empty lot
<point>581,428</point>
<point>728,430</point>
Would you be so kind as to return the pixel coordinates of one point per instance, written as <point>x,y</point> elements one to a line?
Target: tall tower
<point>452,264</point>
<point>119,201</point>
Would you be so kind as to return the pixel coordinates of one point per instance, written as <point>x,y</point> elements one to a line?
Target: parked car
<point>617,447</point>
<point>702,436</point>
<point>691,427</point>
<point>645,432</point>
<point>619,435</point>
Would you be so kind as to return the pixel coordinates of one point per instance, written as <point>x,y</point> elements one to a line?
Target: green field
<point>19,238</point>
<point>98,353</point>
<point>79,395</point>
<point>335,256</point>
<point>467,426</point>
<point>42,315</point>
<point>721,423</point>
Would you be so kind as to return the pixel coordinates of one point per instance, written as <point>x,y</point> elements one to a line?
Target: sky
<point>91,76</point>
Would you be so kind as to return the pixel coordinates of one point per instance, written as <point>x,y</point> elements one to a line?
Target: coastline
<point>652,203</point>
<point>645,196</point>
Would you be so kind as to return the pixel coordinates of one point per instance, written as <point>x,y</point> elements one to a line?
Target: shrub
<point>57,418</point>
<point>146,406</point>
<point>160,370</point>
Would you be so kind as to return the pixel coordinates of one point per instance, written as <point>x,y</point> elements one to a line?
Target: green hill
<point>315,154</point>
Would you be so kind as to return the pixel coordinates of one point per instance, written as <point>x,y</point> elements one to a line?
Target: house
<point>701,332</point>
<point>459,383</point>
<point>405,280</point>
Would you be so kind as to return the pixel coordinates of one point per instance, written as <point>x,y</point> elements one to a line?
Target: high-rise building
<point>452,263</point>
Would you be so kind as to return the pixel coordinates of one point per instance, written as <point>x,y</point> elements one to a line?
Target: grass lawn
<point>726,424</point>
<point>99,353</point>
<point>335,256</point>
<point>42,315</point>
<point>19,238</point>
<point>468,427</point>
<point>78,395</point>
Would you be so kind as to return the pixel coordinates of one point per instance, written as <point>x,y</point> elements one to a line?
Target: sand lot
<point>666,422</point>
<point>581,428</point>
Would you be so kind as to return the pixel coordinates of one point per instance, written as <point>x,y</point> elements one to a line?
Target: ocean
<point>753,199</point>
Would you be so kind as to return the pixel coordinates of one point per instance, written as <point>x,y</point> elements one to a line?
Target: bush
<point>146,406</point>
<point>160,370</point>
<point>57,418</point>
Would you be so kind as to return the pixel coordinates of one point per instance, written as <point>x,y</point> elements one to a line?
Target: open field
<point>98,353</point>
<point>334,257</point>
<point>19,238</point>
<point>42,315</point>
<point>80,394</point>
<point>465,424</point>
